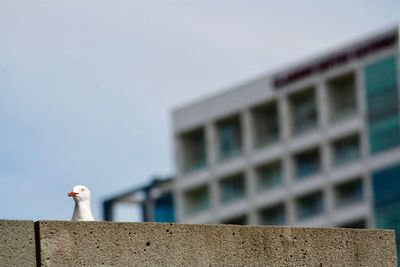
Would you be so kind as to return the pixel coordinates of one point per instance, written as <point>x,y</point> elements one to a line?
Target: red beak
<point>72,194</point>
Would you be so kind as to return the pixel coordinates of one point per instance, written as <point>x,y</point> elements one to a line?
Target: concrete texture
<point>17,243</point>
<point>149,244</point>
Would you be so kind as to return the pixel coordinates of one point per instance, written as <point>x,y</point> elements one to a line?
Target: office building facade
<point>314,144</point>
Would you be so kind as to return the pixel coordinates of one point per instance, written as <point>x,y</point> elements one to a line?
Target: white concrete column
<point>245,118</point>
<point>211,144</point>
<point>179,205</point>
<point>290,211</point>
<point>284,118</point>
<point>247,132</point>
<point>178,194</point>
<point>361,96</point>
<point>323,104</point>
<point>178,155</point>
<point>212,156</point>
<point>249,175</point>
<point>251,193</point>
<point>287,166</point>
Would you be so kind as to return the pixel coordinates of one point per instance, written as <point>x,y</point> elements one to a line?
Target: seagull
<point>81,196</point>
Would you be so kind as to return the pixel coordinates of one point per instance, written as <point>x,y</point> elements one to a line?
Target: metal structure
<point>154,199</point>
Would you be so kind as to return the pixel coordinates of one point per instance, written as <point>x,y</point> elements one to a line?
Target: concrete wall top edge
<point>164,244</point>
<point>155,224</point>
<point>10,220</point>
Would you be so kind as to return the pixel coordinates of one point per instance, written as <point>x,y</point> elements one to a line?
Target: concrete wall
<point>148,244</point>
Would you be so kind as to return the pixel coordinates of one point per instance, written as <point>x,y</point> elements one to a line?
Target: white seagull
<point>81,196</point>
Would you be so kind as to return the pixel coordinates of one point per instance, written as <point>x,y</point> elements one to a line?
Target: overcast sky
<point>87,87</point>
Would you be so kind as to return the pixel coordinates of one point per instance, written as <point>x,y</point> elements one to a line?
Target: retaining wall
<point>60,243</point>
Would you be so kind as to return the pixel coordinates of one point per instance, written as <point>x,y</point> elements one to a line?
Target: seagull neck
<point>83,204</point>
<point>82,211</point>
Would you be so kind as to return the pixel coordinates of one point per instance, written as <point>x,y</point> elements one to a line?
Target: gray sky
<point>87,87</point>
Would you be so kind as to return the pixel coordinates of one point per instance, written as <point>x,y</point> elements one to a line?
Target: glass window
<point>386,193</point>
<point>348,193</point>
<point>303,111</point>
<point>196,200</point>
<point>274,215</point>
<point>194,150</point>
<point>346,150</point>
<point>229,137</point>
<point>342,97</point>
<point>359,224</point>
<point>164,208</point>
<point>307,163</point>
<point>269,175</point>
<point>232,188</point>
<point>241,220</point>
<point>382,104</point>
<point>265,124</point>
<point>309,206</point>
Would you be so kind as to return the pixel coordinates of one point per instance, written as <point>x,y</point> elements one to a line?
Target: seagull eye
<point>82,189</point>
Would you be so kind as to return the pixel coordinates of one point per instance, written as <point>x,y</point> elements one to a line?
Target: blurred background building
<point>314,144</point>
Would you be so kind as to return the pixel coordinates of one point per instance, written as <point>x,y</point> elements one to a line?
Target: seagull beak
<point>72,194</point>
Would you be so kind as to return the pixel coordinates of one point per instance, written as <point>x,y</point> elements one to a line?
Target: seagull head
<point>80,193</point>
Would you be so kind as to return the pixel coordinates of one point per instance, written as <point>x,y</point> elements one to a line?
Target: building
<point>314,144</point>
<point>155,201</point>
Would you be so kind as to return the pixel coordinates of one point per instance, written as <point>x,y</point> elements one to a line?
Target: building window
<point>386,194</point>
<point>346,150</point>
<point>309,206</point>
<point>194,150</point>
<point>303,111</point>
<point>307,163</point>
<point>265,124</point>
<point>164,210</point>
<point>229,137</point>
<point>241,220</point>
<point>273,215</point>
<point>269,176</point>
<point>196,200</point>
<point>348,193</point>
<point>382,104</point>
<point>342,97</point>
<point>232,188</point>
<point>359,224</point>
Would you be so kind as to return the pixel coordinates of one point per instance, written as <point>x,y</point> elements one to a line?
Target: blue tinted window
<point>273,215</point>
<point>346,150</point>
<point>307,163</point>
<point>342,96</point>
<point>232,188</point>
<point>265,125</point>
<point>269,176</point>
<point>386,189</point>
<point>164,209</point>
<point>304,112</point>
<point>309,206</point>
<point>349,193</point>
<point>197,200</point>
<point>229,137</point>
<point>194,150</point>
<point>382,104</point>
